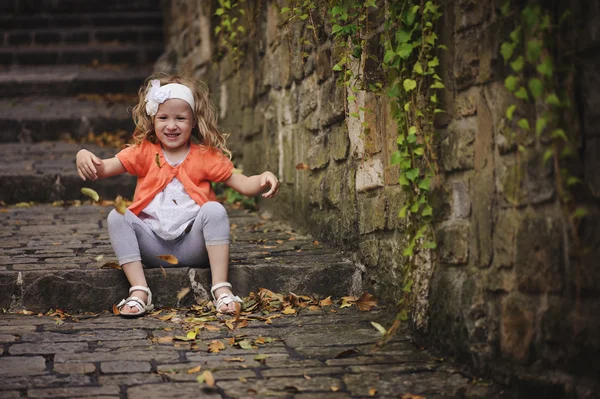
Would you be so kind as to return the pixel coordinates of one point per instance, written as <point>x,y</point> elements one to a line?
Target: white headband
<point>158,95</point>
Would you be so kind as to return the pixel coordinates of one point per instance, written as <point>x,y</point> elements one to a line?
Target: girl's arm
<point>254,185</point>
<point>91,167</point>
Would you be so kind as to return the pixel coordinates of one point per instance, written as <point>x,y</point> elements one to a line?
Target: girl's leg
<point>127,235</point>
<point>210,231</point>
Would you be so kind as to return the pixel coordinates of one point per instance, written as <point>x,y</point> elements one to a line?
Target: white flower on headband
<point>156,95</point>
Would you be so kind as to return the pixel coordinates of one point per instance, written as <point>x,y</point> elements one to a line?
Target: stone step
<point>69,80</point>
<point>45,172</point>
<point>29,7</point>
<point>50,118</point>
<point>132,54</point>
<point>53,36</point>
<point>71,19</point>
<point>53,257</point>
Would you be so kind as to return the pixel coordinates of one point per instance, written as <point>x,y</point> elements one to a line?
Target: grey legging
<point>133,240</point>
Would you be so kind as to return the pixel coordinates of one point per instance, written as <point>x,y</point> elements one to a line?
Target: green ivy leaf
<point>552,99</point>
<point>418,68</point>
<point>419,151</point>
<point>284,10</point>
<point>425,184</point>
<point>580,212</point>
<point>412,138</point>
<point>403,315</point>
<point>408,285</point>
<point>523,124</point>
<point>402,213</point>
<point>427,211</point>
<point>412,174</point>
<point>505,9</point>
<point>547,155</point>
<point>415,207</point>
<point>407,106</point>
<point>540,125</point>
<point>337,67</point>
<point>518,64</point>
<point>573,181</point>
<point>403,180</point>
<point>434,62</point>
<point>404,50</point>
<point>336,28</point>
<point>389,56</point>
<point>534,49</point>
<point>429,245</point>
<point>403,36</point>
<point>511,82</point>
<point>536,87</point>
<point>412,130</point>
<point>409,84</point>
<point>559,134</point>
<point>510,111</point>
<point>433,98</point>
<point>437,85</point>
<point>395,158</point>
<point>515,35</point>
<point>522,93</point>
<point>546,68</point>
<point>220,11</point>
<point>507,49</point>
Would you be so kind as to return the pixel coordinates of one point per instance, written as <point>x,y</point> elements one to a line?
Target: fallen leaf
<point>292,238</point>
<point>314,308</point>
<point>411,396</point>
<point>97,258</point>
<point>166,317</point>
<point>326,302</point>
<point>306,377</point>
<point>302,166</point>
<point>164,272</point>
<point>120,205</point>
<point>379,327</point>
<point>347,301</point>
<point>316,243</point>
<point>183,293</point>
<point>244,344</point>
<point>347,353</point>
<point>234,359</point>
<point>111,265</point>
<point>22,205</point>
<point>169,259</point>
<point>206,377</point>
<point>191,334</point>
<point>165,340</point>
<point>183,338</point>
<point>242,379</point>
<point>216,346</point>
<point>366,302</point>
<point>261,358</point>
<point>212,328</point>
<point>194,370</point>
<point>115,310</point>
<point>288,310</point>
<point>279,241</point>
<point>334,388</point>
<point>90,193</point>
<point>372,392</point>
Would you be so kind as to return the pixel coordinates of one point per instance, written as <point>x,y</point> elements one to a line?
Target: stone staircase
<point>69,70</point>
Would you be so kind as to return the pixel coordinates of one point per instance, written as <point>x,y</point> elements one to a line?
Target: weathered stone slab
<point>47,348</point>
<point>16,366</point>
<point>42,381</point>
<point>171,390</point>
<point>69,392</point>
<point>75,368</point>
<point>124,367</point>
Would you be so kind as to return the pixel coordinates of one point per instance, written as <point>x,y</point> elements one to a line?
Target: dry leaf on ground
<point>183,293</point>
<point>169,259</point>
<point>366,302</point>
<point>90,193</point>
<point>216,346</point>
<point>194,370</point>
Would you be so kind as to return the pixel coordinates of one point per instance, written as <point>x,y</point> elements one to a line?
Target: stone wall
<point>502,293</point>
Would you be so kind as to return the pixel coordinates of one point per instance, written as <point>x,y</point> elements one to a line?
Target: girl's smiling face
<point>173,125</point>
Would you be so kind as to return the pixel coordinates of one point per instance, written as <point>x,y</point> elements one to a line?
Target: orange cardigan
<point>201,166</point>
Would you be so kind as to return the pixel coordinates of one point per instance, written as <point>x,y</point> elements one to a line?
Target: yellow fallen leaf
<point>191,334</point>
<point>242,379</point>
<point>411,396</point>
<point>302,166</point>
<point>169,259</point>
<point>111,265</point>
<point>366,302</point>
<point>165,340</point>
<point>306,377</point>
<point>164,272</point>
<point>379,327</point>
<point>115,310</point>
<point>372,392</point>
<point>183,293</point>
<point>288,310</point>
<point>22,205</point>
<point>90,193</point>
<point>326,302</point>
<point>212,328</point>
<point>334,388</point>
<point>120,205</point>
<point>234,359</point>
<point>314,308</point>
<point>347,301</point>
<point>194,370</point>
<point>206,377</point>
<point>216,346</point>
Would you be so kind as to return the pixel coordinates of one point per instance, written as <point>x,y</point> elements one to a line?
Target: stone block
<point>500,280</point>
<point>333,184</point>
<point>8,288</point>
<point>369,250</point>
<point>122,366</point>
<point>457,150</point>
<point>395,198</point>
<point>307,97</point>
<point>517,327</point>
<point>585,276</point>
<point>453,242</point>
<point>323,62</point>
<point>505,237</point>
<point>369,174</point>
<point>338,141</point>
<point>318,151</point>
<point>461,200</point>
<point>470,13</point>
<point>466,102</point>
<point>373,131</point>
<point>590,99</point>
<point>18,366</point>
<point>526,181</point>
<point>355,129</point>
<point>466,57</point>
<point>316,188</point>
<point>539,255</point>
<point>332,100</point>
<point>372,213</point>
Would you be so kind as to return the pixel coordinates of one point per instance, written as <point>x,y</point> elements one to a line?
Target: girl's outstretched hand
<point>86,165</point>
<point>268,178</point>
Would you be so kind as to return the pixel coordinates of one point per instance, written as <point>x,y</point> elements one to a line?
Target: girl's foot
<point>132,309</point>
<point>224,300</point>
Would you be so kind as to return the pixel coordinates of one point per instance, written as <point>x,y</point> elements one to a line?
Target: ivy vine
<point>230,30</point>
<point>535,80</point>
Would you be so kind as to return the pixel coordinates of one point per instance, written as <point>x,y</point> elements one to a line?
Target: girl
<point>174,209</point>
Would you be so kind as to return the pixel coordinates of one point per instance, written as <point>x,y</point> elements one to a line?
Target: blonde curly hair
<point>205,115</point>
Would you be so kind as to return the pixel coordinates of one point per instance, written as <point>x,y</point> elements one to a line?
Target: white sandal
<point>224,299</point>
<point>134,301</point>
